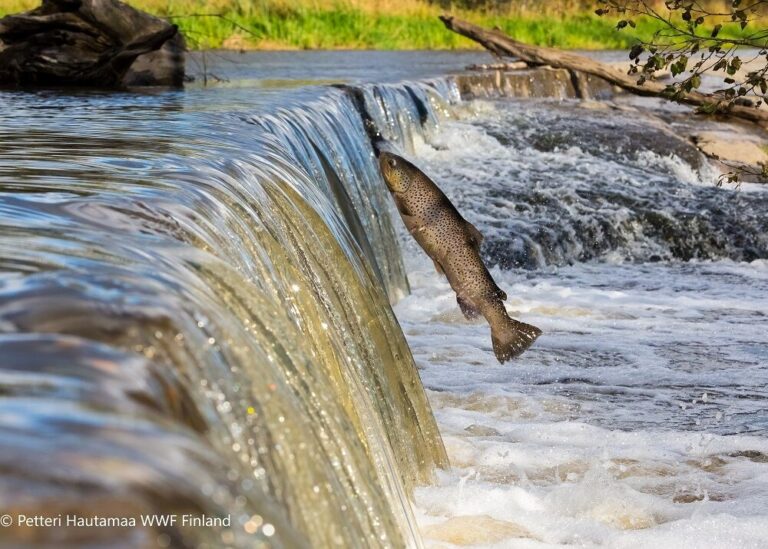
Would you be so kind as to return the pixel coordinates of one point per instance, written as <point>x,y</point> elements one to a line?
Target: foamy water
<point>638,418</point>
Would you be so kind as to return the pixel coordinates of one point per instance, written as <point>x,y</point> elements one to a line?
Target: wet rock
<point>481,430</point>
<point>476,529</point>
<point>89,43</point>
<point>537,82</point>
<point>697,497</point>
<point>734,146</point>
<point>752,455</point>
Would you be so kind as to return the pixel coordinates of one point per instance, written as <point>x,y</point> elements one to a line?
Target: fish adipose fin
<point>468,310</point>
<point>513,339</point>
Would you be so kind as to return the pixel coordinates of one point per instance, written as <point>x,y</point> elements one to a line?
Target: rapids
<point>638,418</point>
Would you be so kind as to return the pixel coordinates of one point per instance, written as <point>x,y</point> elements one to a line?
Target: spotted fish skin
<point>453,243</point>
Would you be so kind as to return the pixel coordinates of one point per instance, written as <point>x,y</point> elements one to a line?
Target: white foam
<point>637,419</point>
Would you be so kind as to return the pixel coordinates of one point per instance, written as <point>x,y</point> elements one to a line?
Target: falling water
<point>195,319</point>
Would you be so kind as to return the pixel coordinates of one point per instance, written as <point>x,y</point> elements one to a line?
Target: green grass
<point>355,29</point>
<point>304,24</point>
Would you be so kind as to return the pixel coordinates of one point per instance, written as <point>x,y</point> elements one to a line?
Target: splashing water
<point>637,420</point>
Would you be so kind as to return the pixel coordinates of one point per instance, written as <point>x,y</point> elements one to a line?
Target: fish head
<point>397,171</point>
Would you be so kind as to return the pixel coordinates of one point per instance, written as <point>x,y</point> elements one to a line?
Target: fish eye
<point>392,162</point>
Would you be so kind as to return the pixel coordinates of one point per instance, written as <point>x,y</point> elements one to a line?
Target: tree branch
<point>502,45</point>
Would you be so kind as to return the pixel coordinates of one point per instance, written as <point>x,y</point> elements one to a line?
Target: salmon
<point>453,243</point>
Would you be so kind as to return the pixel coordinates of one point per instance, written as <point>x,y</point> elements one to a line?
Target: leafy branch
<point>696,39</point>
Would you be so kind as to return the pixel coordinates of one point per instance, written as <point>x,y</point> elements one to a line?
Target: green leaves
<point>679,66</point>
<point>741,16</point>
<point>625,22</point>
<point>695,81</point>
<point>733,66</point>
<point>698,38</point>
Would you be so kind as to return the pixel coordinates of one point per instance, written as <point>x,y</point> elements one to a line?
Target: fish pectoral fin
<point>438,267</point>
<point>469,311</point>
<point>402,207</point>
<point>475,236</point>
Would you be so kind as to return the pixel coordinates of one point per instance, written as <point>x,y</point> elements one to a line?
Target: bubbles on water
<point>629,423</point>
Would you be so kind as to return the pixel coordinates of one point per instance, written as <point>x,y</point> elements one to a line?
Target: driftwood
<point>90,43</point>
<point>514,66</point>
<point>502,45</point>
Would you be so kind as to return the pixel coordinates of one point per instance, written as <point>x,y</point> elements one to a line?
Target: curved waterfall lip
<point>197,296</point>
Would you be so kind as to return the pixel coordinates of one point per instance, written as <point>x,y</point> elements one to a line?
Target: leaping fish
<point>453,243</point>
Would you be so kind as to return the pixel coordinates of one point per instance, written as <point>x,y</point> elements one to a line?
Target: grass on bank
<point>375,24</point>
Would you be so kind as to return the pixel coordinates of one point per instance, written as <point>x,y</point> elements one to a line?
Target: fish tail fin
<point>512,339</point>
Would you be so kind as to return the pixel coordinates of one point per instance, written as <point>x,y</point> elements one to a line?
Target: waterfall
<point>195,301</point>
<point>195,319</point>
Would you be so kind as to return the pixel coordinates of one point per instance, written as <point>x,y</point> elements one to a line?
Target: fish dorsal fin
<point>475,236</point>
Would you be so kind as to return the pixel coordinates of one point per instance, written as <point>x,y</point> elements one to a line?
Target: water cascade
<point>198,322</point>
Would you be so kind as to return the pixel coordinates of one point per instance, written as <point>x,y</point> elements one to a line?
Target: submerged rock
<point>90,43</point>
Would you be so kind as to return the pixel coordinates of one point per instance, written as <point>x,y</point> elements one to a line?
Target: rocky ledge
<point>89,43</point>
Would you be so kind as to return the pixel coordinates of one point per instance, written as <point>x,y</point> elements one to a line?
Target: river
<point>209,307</point>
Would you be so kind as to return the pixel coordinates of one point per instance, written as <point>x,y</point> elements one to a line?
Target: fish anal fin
<point>469,311</point>
<point>438,267</point>
<point>475,236</point>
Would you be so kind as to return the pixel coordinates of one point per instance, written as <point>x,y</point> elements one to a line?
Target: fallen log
<point>515,66</point>
<point>502,45</point>
<point>90,43</point>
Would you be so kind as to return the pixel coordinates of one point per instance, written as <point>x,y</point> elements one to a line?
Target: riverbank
<point>275,25</point>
